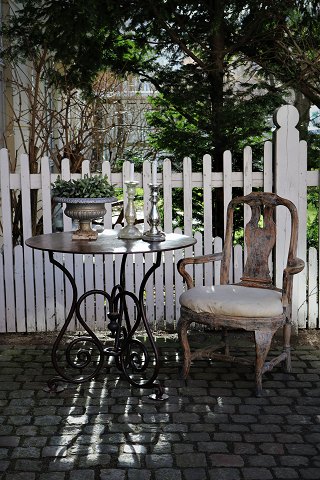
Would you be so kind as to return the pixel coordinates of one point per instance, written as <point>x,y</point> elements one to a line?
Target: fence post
<point>290,167</point>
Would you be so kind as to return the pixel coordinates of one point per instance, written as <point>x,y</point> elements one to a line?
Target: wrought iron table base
<point>130,354</point>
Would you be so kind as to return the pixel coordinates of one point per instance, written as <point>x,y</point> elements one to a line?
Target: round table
<point>131,356</point>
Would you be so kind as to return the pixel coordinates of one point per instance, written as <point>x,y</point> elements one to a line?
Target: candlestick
<point>131,172</point>
<point>130,231</point>
<point>154,234</point>
<point>154,172</point>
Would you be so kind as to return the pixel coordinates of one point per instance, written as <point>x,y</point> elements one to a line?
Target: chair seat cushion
<point>233,300</point>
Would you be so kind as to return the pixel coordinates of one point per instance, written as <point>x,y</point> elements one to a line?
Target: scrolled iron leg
<point>158,393</point>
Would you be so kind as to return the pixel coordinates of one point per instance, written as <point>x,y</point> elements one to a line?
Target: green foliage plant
<point>96,186</point>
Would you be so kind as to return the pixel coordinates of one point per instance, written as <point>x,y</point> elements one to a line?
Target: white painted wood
<point>139,272</point>
<point>167,196</point>
<point>107,219</point>
<point>227,195</point>
<point>170,273</point>
<point>48,279</point>
<point>79,278</point>
<point>227,183</point>
<point>247,180</point>
<point>267,167</point>
<point>108,274</point>
<point>168,256</point>
<point>89,303</point>
<point>198,269</point>
<point>39,291</point>
<point>237,263</point>
<point>268,182</point>
<point>299,304</point>
<point>146,178</point>
<point>187,197</point>
<point>217,248</point>
<point>179,286</point>
<point>19,289</point>
<point>28,252</point>
<point>129,276</point>
<point>66,289</point>
<point>10,317</point>
<point>2,295</point>
<point>89,285</point>
<point>286,181</point>
<point>159,297</point>
<point>59,293</point>
<point>313,302</point>
<point>100,320</point>
<point>207,215</point>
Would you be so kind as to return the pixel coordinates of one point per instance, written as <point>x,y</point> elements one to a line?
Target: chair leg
<point>182,328</point>
<point>226,341</point>
<point>263,343</point>
<point>287,346</point>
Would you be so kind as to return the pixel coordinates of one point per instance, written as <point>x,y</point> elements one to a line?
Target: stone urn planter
<point>85,201</point>
<point>85,210</point>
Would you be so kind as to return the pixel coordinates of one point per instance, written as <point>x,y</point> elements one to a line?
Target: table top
<point>106,243</point>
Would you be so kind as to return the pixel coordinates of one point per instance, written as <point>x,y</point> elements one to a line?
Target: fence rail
<point>34,296</point>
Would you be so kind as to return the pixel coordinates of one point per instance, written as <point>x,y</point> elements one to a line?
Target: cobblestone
<point>213,428</point>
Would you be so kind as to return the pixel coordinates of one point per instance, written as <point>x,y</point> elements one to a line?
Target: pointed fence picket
<point>35,295</point>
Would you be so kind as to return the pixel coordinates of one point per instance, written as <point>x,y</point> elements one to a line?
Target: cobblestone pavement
<point>214,428</point>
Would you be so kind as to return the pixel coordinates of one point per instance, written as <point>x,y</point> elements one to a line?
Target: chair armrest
<point>294,266</point>
<point>195,261</point>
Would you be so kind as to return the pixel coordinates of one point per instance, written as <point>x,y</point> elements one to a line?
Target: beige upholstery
<point>233,300</point>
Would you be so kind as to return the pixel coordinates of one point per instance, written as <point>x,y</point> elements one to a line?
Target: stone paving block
<point>4,464</point>
<point>194,474</point>
<point>82,475</point>
<point>224,474</point>
<point>135,474</point>
<point>300,449</point>
<point>285,473</point>
<point>53,476</point>
<point>185,460</point>
<point>55,451</point>
<point>309,473</point>
<point>226,460</point>
<point>112,474</point>
<point>26,452</point>
<point>61,464</point>
<point>256,474</point>
<point>20,476</point>
<point>94,460</point>
<point>158,460</point>
<point>244,448</point>
<point>261,461</point>
<point>9,441</point>
<point>34,442</point>
<point>129,460</point>
<point>28,465</point>
<point>218,447</point>
<point>167,474</point>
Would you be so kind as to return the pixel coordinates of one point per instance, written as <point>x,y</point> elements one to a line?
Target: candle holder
<point>154,234</point>
<point>130,231</point>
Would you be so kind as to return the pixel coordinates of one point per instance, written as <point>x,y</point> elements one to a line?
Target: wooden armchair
<point>254,304</point>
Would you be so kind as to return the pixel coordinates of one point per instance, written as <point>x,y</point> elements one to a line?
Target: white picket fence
<point>34,296</point>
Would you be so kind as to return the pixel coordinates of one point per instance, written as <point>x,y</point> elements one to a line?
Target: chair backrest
<point>260,237</point>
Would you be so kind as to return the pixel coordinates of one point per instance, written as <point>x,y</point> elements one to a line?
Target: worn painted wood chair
<point>254,304</point>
